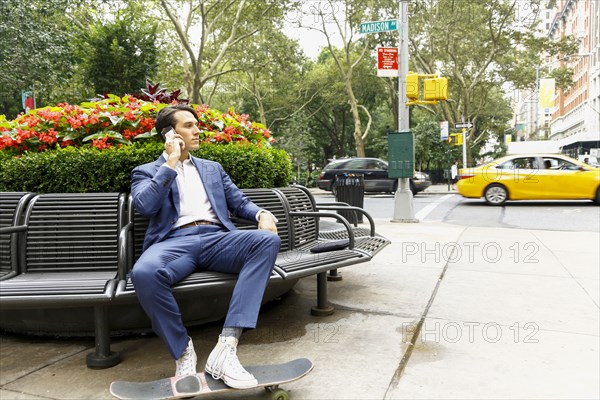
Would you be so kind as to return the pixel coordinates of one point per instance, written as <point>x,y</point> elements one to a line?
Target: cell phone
<point>168,133</point>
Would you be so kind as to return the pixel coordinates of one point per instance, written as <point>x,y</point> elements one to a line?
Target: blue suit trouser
<point>251,254</point>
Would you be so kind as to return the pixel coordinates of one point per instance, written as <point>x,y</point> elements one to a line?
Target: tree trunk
<point>359,142</point>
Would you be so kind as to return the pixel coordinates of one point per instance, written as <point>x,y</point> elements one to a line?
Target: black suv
<point>375,175</point>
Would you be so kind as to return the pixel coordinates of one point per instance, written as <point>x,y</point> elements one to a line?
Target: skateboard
<point>268,376</point>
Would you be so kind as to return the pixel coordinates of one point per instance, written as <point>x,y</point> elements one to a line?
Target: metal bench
<point>296,229</point>
<point>362,244</point>
<point>366,239</point>
<point>69,257</point>
<point>70,254</point>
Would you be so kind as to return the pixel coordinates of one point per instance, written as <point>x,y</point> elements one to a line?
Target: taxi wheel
<point>495,194</point>
<point>598,196</point>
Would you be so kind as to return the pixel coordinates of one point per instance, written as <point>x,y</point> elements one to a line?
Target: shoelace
<point>222,356</point>
<point>186,361</point>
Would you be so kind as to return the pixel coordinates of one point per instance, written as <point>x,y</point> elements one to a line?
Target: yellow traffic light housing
<point>435,89</point>
<point>412,86</point>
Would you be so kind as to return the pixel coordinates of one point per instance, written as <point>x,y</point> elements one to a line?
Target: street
<point>580,216</point>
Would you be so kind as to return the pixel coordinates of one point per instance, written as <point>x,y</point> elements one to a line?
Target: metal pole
<point>403,200</point>
<point>449,166</point>
<point>536,117</point>
<point>464,146</point>
<point>403,114</point>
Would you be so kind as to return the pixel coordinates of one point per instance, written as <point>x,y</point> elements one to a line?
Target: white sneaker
<point>186,364</point>
<point>223,364</point>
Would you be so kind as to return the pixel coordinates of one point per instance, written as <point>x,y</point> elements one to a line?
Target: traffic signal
<point>435,89</point>
<point>412,86</point>
<point>455,139</point>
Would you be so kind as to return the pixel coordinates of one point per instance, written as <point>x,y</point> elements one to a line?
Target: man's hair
<point>166,116</point>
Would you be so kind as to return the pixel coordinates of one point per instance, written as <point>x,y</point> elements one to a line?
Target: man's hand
<point>173,146</point>
<point>267,222</point>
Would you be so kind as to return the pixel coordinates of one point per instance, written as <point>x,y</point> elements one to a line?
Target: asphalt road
<point>578,216</point>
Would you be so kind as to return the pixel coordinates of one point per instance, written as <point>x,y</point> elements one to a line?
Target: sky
<point>310,40</point>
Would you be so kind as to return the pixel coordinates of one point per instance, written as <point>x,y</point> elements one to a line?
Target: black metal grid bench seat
<point>340,234</point>
<point>300,263</point>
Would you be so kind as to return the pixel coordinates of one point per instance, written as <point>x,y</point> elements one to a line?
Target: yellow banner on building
<point>547,93</point>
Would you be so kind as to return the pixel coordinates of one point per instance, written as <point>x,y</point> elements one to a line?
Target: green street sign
<point>378,26</point>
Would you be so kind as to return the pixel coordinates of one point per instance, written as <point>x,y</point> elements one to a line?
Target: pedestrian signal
<point>412,86</point>
<point>455,139</point>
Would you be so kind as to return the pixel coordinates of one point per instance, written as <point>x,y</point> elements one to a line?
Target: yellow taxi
<point>531,177</point>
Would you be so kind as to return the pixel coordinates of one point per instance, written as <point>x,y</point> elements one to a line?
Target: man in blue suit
<point>188,201</point>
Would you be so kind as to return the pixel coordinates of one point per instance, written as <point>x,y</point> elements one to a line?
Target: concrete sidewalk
<point>443,312</point>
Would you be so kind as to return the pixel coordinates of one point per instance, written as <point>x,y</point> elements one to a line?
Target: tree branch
<point>180,33</point>
<point>368,123</point>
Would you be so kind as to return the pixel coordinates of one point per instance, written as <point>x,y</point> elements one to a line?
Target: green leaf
<point>98,135</point>
<point>146,135</point>
<point>115,119</point>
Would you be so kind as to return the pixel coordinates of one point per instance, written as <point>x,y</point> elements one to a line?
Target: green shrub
<point>87,169</point>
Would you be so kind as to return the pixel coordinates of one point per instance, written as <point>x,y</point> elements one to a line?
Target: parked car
<point>375,172</point>
<point>531,177</point>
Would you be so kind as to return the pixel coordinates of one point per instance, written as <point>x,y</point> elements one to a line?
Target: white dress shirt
<point>194,204</point>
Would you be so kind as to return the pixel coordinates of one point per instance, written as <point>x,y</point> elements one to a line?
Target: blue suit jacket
<point>156,196</point>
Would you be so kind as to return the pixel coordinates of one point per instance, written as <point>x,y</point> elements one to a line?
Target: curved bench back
<point>73,232</point>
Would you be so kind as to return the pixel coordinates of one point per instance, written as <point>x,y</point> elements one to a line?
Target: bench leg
<point>323,308</point>
<point>334,276</point>
<point>102,357</point>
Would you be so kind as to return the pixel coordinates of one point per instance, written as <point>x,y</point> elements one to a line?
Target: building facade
<point>575,118</point>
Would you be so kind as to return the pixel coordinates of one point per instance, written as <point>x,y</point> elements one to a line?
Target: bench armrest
<point>319,214</point>
<point>123,252</point>
<point>350,208</point>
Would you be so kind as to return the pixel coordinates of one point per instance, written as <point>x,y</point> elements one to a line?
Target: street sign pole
<point>464,147</point>
<point>403,200</point>
<point>465,126</point>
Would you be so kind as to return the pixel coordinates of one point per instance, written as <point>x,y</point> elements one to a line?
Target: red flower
<point>7,141</point>
<point>129,116</point>
<point>48,137</point>
<point>101,143</point>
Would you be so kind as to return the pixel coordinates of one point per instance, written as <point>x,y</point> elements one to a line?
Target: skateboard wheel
<point>280,394</point>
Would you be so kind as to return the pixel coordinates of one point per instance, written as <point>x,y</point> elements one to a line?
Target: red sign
<point>387,61</point>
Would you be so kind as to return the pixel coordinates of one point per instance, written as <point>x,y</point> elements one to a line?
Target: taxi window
<point>551,163</point>
<point>567,165</point>
<point>518,163</point>
<point>506,165</point>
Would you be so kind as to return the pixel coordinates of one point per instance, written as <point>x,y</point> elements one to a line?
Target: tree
<point>218,26</point>
<point>122,54</point>
<point>271,77</point>
<point>478,46</point>
<point>35,51</point>
<point>350,57</point>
